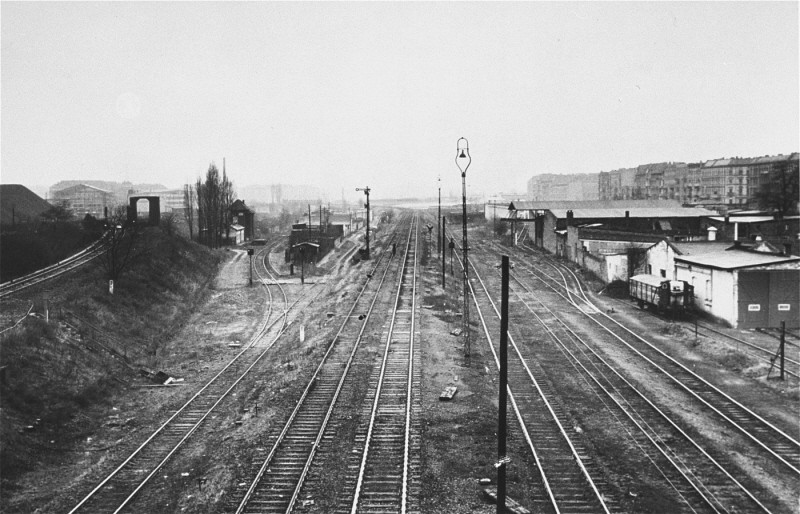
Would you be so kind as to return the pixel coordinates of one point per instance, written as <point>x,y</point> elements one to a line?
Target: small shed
<point>345,220</point>
<point>745,287</point>
<point>244,217</point>
<point>659,259</point>
<point>304,252</point>
<point>236,234</point>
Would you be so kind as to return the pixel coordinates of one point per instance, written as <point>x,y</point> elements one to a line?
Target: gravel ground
<point>458,437</point>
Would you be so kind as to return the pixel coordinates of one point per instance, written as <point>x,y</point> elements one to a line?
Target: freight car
<point>675,296</point>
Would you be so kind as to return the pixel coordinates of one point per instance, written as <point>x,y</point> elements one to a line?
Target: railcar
<point>675,296</point>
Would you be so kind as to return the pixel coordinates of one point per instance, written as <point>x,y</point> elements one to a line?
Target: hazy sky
<point>353,94</point>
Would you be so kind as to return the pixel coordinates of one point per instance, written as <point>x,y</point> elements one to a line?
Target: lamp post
<point>463,161</point>
<point>366,192</point>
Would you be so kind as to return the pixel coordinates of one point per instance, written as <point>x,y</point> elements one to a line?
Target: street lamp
<point>463,161</point>
<point>366,192</point>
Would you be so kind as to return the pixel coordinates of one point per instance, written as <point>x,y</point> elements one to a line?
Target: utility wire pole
<point>366,192</point>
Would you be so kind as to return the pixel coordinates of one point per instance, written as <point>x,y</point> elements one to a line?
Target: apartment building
<point>550,186</point>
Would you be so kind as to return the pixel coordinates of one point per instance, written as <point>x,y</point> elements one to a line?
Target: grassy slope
<point>56,377</point>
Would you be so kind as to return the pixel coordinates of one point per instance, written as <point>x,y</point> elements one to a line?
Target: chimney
<point>570,216</point>
<point>627,214</point>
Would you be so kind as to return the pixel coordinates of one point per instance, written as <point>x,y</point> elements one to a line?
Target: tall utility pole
<point>502,459</point>
<point>444,261</point>
<point>439,220</point>
<point>366,192</point>
<point>463,161</point>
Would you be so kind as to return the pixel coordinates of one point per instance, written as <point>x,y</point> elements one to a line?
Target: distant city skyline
<point>343,95</point>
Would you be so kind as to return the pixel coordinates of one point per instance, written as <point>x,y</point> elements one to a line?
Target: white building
<point>744,287</point>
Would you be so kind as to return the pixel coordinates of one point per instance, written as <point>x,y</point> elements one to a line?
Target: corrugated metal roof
<point>733,259</point>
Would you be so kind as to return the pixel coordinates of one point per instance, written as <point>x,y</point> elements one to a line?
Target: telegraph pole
<point>502,459</point>
<point>366,192</point>
<point>439,222</point>
<point>444,261</point>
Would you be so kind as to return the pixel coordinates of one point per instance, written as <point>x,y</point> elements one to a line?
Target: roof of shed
<point>590,204</point>
<point>634,212</point>
<point>734,259</point>
<point>699,247</point>
<point>615,209</point>
<point>341,218</point>
<point>239,205</point>
<point>753,219</point>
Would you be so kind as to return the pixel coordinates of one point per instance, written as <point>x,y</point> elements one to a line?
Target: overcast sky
<point>352,94</point>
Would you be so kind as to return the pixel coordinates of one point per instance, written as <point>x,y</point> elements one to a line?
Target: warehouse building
<point>755,287</point>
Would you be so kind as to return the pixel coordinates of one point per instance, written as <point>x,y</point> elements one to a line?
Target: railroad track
<point>118,489</point>
<point>574,289</point>
<point>55,270</point>
<point>763,434</point>
<point>569,480</point>
<point>701,480</point>
<point>759,352</point>
<point>267,275</point>
<point>281,475</point>
<point>388,468</point>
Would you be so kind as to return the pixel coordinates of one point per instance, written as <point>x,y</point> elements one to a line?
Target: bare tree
<point>208,207</point>
<point>781,193</point>
<point>168,223</point>
<point>226,200</point>
<point>189,201</point>
<point>122,246</point>
<point>214,199</point>
<point>59,212</point>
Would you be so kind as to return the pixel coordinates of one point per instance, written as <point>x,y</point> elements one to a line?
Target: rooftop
<point>635,212</point>
<point>753,219</point>
<point>18,203</point>
<point>700,247</point>
<point>735,259</point>
<point>590,204</point>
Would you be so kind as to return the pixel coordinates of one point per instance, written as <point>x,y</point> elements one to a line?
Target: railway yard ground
<point>56,448</point>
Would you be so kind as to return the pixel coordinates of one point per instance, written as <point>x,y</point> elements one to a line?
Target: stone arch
<point>154,217</point>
